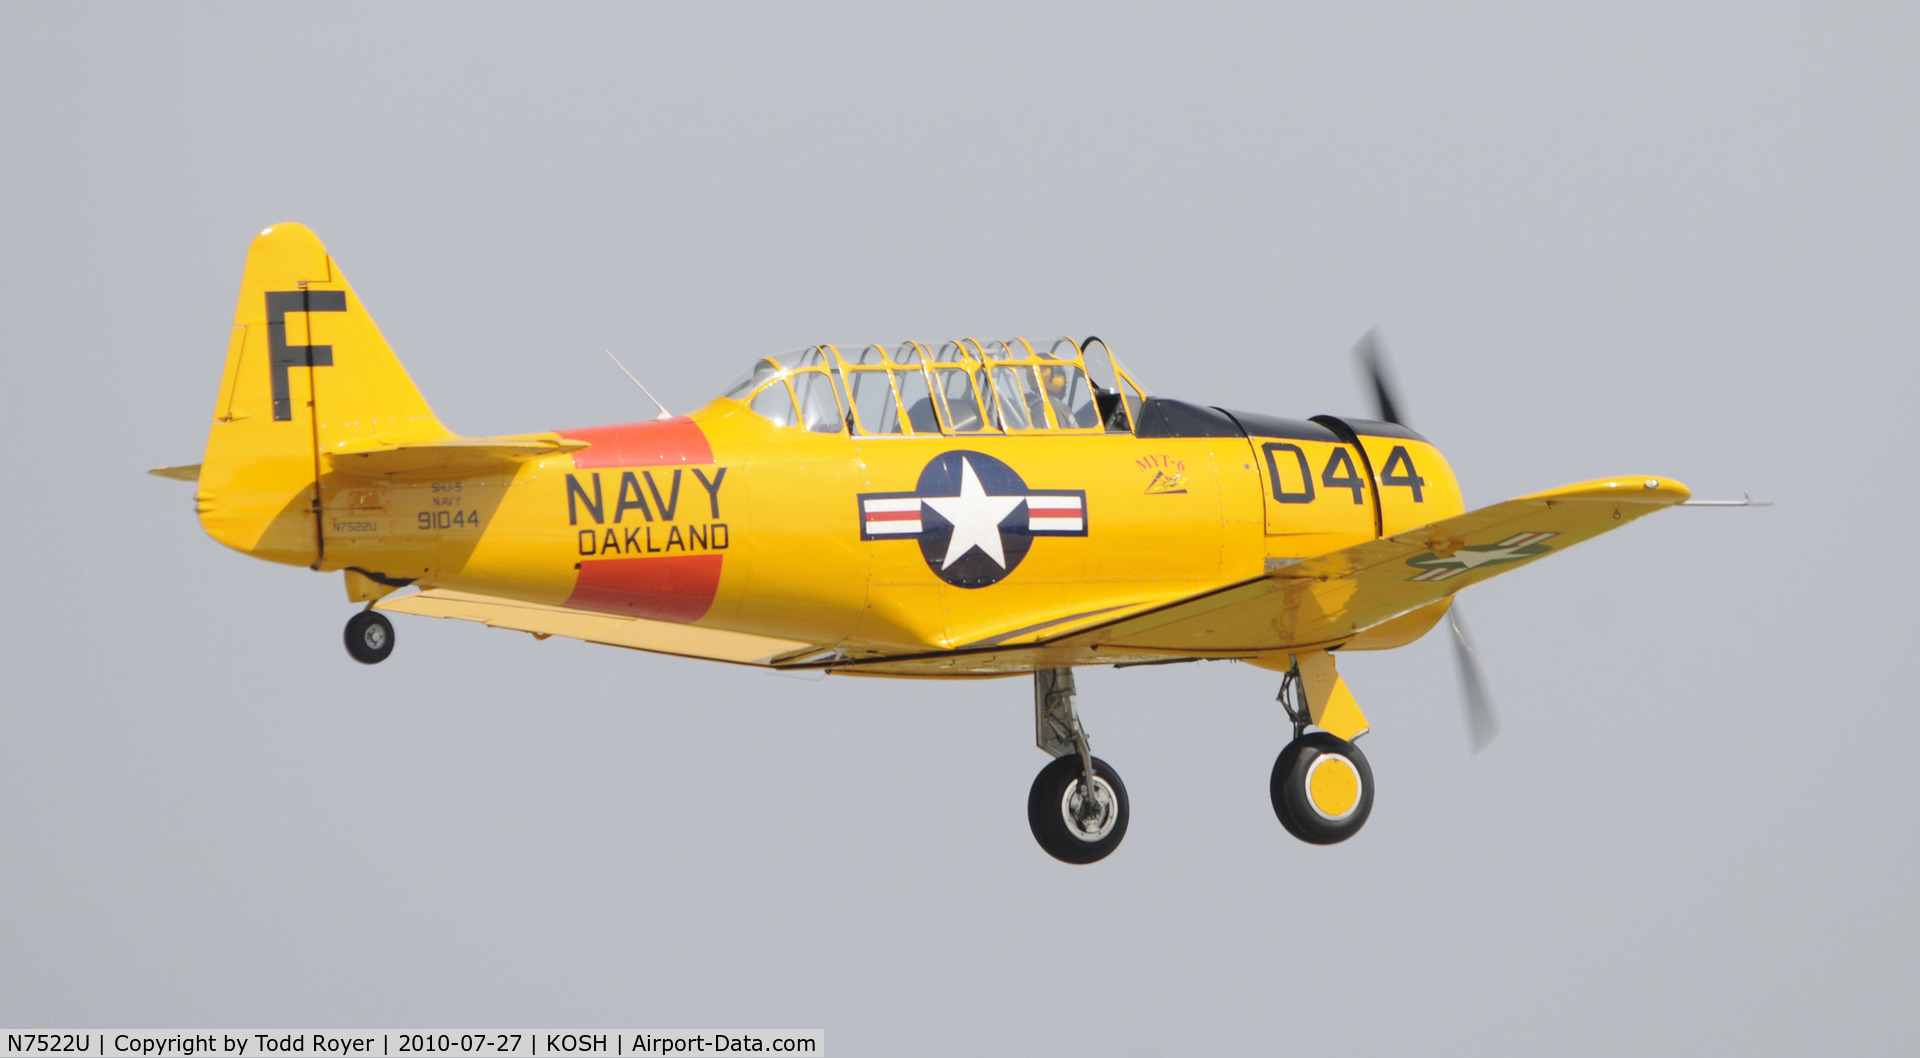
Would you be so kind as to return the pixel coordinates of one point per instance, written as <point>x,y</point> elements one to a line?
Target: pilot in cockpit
<point>1056,380</point>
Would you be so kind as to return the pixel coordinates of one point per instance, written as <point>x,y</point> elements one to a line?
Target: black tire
<point>1294,803</point>
<point>369,637</point>
<point>1048,808</point>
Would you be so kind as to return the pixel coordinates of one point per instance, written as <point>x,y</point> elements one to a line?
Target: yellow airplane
<point>963,509</point>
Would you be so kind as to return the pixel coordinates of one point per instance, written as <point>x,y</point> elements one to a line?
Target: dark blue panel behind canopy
<point>1161,417</point>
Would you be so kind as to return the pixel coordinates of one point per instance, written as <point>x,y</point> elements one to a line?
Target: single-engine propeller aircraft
<point>961,509</point>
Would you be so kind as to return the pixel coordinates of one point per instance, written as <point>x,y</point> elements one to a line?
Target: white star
<point>975,516</point>
<point>1475,558</point>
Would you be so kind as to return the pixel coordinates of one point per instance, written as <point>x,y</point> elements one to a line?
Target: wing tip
<point>1650,489</point>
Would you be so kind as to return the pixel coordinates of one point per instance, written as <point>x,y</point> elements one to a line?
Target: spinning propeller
<point>1473,679</point>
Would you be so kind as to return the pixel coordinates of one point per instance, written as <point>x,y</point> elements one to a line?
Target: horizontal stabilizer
<point>453,457</point>
<point>660,637</point>
<point>191,472</point>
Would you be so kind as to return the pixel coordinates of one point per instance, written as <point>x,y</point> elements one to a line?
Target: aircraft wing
<point>1325,600</point>
<point>660,637</point>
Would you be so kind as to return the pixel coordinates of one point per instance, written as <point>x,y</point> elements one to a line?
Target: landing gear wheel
<point>369,637</point>
<point>1322,788</point>
<point>1070,825</point>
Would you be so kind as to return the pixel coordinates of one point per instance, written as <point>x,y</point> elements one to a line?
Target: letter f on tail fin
<point>307,372</point>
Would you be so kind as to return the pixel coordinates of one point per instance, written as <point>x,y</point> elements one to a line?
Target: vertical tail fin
<point>307,371</point>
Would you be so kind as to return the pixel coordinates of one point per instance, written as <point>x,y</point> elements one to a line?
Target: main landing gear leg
<point>1078,805</point>
<point>1322,786</point>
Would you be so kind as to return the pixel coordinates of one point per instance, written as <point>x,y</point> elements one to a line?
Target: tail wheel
<point>1322,788</point>
<point>369,637</point>
<point>1072,823</point>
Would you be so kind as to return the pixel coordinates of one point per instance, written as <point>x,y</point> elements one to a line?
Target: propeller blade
<point>1481,727</point>
<point>1373,361</point>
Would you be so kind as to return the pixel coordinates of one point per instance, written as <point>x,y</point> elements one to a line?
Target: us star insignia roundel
<point>1512,549</point>
<point>973,516</point>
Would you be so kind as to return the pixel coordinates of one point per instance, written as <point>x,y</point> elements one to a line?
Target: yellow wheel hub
<point>1333,786</point>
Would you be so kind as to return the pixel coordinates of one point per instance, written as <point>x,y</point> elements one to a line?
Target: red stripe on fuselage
<point>679,589</point>
<point>641,444</point>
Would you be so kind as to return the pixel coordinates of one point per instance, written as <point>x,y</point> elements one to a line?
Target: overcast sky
<point>1674,239</point>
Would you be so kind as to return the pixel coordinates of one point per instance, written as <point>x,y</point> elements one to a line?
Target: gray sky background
<point>1622,239</point>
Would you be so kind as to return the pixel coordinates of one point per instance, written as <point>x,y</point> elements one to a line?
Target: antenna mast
<point>664,413</point>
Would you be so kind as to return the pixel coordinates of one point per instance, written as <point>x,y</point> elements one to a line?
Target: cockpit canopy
<point>969,386</point>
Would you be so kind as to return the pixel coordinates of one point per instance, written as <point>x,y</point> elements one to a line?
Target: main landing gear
<point>369,637</point>
<point>1078,805</point>
<point>1322,786</point>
